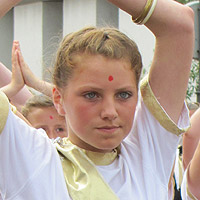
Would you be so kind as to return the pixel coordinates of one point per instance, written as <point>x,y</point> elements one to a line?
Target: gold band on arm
<point>146,13</point>
<point>150,12</point>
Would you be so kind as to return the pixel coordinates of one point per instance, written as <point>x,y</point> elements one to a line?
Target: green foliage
<point>184,1</point>
<point>193,80</point>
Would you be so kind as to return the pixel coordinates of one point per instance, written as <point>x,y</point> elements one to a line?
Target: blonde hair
<point>108,42</point>
<point>37,101</point>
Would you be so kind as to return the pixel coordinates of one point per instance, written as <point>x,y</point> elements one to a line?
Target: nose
<point>109,110</point>
<point>50,133</point>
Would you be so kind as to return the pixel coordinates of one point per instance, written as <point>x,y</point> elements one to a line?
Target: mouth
<point>108,129</point>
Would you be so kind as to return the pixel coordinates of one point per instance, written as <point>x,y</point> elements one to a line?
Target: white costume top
<point>30,166</point>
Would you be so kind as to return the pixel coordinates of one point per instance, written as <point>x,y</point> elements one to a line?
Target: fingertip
<point>15,41</point>
<point>16,51</point>
<point>16,44</point>
<point>20,53</point>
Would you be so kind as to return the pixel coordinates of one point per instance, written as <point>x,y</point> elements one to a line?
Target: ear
<point>58,102</point>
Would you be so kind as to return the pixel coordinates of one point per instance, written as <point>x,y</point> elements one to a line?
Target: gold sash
<point>83,180</point>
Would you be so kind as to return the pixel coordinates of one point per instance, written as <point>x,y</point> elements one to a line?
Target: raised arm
<point>191,138</point>
<point>173,26</point>
<point>6,5</point>
<point>191,154</point>
<point>193,174</point>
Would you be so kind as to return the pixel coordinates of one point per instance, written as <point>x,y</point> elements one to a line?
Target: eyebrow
<point>126,88</point>
<point>100,90</point>
<point>60,126</point>
<point>40,126</point>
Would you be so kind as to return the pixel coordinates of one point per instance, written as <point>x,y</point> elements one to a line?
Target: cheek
<point>81,116</point>
<point>129,115</point>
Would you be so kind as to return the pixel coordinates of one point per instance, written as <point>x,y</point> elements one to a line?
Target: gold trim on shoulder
<point>156,109</point>
<point>4,109</point>
<point>82,178</point>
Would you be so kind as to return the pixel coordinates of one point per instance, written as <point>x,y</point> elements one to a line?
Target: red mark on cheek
<point>51,117</point>
<point>110,78</point>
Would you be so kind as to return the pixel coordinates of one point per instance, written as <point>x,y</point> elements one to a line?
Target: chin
<point>107,147</point>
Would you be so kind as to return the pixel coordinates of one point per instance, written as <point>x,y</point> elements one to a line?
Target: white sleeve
<point>30,166</point>
<point>156,134</point>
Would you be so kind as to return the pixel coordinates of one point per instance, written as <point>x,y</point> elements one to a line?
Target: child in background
<point>191,139</point>
<point>120,137</point>
<point>191,162</point>
<point>191,180</point>
<point>40,111</point>
<point>179,168</point>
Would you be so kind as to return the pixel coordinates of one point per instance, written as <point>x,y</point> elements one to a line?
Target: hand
<point>29,78</point>
<point>17,80</point>
<point>33,81</point>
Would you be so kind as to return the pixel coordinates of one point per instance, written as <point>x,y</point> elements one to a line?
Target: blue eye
<point>124,95</point>
<point>91,95</point>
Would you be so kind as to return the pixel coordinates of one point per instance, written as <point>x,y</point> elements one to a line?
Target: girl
<point>191,159</point>
<point>120,137</point>
<point>40,111</point>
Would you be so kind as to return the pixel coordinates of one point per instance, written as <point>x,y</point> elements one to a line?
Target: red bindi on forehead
<point>110,78</point>
<point>51,117</point>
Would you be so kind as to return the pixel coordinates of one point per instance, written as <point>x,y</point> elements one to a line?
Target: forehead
<point>40,114</point>
<point>97,67</point>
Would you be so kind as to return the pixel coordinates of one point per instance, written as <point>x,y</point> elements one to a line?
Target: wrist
<point>9,90</point>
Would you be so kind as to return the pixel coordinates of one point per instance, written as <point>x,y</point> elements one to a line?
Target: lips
<point>108,128</point>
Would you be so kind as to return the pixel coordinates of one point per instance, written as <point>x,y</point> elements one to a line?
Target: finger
<point>21,59</point>
<point>14,59</point>
<point>13,51</point>
<point>17,73</point>
<point>14,47</point>
<point>15,63</point>
<point>16,44</point>
<point>17,57</point>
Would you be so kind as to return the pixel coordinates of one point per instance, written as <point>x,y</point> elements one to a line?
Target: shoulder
<point>153,106</point>
<point>4,107</point>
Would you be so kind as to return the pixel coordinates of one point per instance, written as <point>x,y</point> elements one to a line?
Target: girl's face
<point>99,102</point>
<point>48,119</point>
